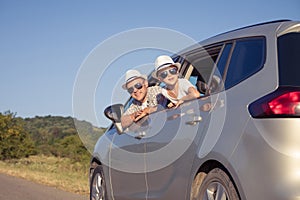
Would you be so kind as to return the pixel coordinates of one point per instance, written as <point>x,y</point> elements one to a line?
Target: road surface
<point>12,188</point>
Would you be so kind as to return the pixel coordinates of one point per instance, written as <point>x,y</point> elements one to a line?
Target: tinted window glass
<point>223,59</point>
<point>216,83</point>
<point>289,59</point>
<point>247,58</point>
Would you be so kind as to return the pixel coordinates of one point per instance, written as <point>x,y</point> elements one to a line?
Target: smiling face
<point>168,75</point>
<point>138,89</point>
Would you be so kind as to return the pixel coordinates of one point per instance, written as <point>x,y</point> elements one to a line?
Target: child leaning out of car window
<point>178,89</point>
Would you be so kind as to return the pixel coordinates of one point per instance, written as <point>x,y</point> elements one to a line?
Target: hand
<point>170,105</point>
<point>140,114</point>
<point>179,103</point>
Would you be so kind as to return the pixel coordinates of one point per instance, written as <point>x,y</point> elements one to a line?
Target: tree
<point>15,142</point>
<point>73,148</point>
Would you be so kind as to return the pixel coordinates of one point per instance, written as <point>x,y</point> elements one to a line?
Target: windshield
<point>289,59</point>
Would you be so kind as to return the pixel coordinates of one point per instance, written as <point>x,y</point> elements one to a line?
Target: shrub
<point>15,142</point>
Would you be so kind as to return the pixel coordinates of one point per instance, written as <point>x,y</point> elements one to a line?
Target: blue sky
<point>45,43</point>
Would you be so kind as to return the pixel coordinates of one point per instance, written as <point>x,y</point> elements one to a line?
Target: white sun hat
<point>131,75</point>
<point>163,62</point>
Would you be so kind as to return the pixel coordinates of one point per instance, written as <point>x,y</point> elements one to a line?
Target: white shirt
<point>183,90</point>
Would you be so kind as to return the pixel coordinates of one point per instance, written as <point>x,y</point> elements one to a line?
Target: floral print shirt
<point>154,97</point>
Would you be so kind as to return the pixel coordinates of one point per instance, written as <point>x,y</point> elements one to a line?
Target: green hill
<point>50,135</point>
<point>48,150</point>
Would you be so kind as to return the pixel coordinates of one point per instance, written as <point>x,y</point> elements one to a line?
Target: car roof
<point>262,29</point>
<point>252,30</point>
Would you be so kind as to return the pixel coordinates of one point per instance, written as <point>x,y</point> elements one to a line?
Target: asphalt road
<point>12,188</point>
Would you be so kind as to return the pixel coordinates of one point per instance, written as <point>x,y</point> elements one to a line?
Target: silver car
<point>239,140</point>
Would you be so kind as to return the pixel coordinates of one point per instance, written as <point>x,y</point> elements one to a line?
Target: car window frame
<point>225,79</point>
<point>217,48</point>
<point>204,53</point>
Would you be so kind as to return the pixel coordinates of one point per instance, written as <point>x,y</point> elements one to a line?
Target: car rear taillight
<point>284,102</point>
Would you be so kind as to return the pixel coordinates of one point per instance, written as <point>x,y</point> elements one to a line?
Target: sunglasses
<point>164,74</point>
<point>137,86</point>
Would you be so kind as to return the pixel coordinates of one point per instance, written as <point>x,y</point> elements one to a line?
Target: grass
<point>61,173</point>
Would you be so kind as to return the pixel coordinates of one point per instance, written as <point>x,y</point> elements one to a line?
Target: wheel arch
<point>209,165</point>
<point>93,164</point>
<point>95,161</point>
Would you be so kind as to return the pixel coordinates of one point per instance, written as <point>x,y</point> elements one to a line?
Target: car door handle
<point>140,135</point>
<point>196,120</point>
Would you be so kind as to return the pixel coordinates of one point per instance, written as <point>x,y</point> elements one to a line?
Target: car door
<point>171,146</point>
<point>127,164</point>
<point>183,133</point>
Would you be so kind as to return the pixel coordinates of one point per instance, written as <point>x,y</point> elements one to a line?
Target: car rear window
<point>248,57</point>
<point>289,59</point>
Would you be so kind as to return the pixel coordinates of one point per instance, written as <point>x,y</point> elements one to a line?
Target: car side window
<point>248,57</point>
<point>223,61</point>
<point>216,82</point>
<point>203,63</point>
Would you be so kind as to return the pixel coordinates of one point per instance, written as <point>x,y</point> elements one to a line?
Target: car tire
<point>97,185</point>
<point>214,185</point>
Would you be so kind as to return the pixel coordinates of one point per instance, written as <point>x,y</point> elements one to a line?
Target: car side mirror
<point>114,113</point>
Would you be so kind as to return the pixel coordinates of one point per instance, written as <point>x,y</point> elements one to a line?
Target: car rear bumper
<point>267,159</point>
